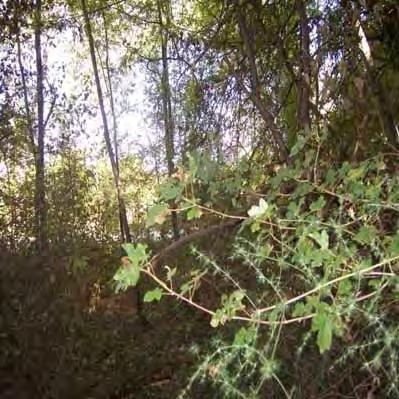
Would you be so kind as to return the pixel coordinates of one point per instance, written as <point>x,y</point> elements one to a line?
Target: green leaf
<point>331,177</point>
<point>300,309</point>
<point>394,246</point>
<point>255,226</point>
<point>127,276</point>
<point>269,368</point>
<point>137,254</point>
<point>373,192</point>
<point>154,295</point>
<point>321,239</point>
<point>218,318</point>
<point>300,143</point>
<point>244,336</point>
<point>303,189</point>
<point>366,235</point>
<point>324,336</point>
<point>186,287</point>
<point>214,321</point>
<point>170,191</point>
<point>264,251</point>
<point>357,173</point>
<point>157,214</point>
<point>345,287</point>
<point>318,205</point>
<point>194,213</point>
<point>323,324</point>
<point>192,165</point>
<point>293,209</point>
<point>375,283</point>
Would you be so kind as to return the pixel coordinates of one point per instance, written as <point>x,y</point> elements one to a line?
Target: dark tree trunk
<point>167,105</point>
<point>263,106</point>
<point>372,65</point>
<point>107,136</point>
<point>40,193</point>
<point>304,82</point>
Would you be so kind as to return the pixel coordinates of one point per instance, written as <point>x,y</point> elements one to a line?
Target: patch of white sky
<point>129,89</point>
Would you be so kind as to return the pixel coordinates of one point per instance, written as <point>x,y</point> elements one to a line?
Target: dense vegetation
<point>199,199</point>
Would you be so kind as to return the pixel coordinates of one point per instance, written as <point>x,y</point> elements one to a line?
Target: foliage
<point>318,245</point>
<point>82,206</point>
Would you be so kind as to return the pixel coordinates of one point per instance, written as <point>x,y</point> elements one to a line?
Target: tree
<point>166,97</point>
<point>304,84</point>
<point>125,231</point>
<point>40,193</point>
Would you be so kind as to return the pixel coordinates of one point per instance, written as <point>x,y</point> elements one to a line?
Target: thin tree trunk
<point>304,68</point>
<point>255,94</point>
<point>40,194</point>
<point>167,105</point>
<point>31,132</point>
<point>125,231</point>
<point>107,77</point>
<point>107,136</point>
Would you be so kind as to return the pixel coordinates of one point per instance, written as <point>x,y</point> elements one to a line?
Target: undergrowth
<point>316,247</point>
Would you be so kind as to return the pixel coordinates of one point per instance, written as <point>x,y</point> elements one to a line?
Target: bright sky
<point>131,106</point>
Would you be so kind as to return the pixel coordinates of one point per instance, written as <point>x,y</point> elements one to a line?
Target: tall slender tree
<point>126,236</point>
<point>304,80</point>
<point>40,192</point>
<point>108,80</point>
<point>164,12</point>
<point>125,230</point>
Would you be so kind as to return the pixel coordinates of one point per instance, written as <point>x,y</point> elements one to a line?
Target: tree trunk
<point>40,193</point>
<point>388,122</point>
<point>107,136</point>
<point>125,231</point>
<point>107,77</point>
<point>304,68</point>
<point>167,105</point>
<point>263,106</point>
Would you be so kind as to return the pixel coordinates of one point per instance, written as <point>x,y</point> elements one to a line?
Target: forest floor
<point>59,341</point>
<point>64,333</point>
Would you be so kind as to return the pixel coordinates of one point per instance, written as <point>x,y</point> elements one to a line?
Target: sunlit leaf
<point>154,295</point>
<point>157,214</point>
<point>345,287</point>
<point>321,239</point>
<point>137,254</point>
<point>127,276</point>
<point>194,213</point>
<point>357,173</point>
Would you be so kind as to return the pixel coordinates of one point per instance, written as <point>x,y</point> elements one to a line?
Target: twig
<point>331,282</point>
